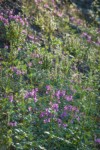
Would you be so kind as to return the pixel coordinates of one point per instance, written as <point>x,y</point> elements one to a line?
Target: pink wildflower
<point>11,98</point>
<point>46,5</point>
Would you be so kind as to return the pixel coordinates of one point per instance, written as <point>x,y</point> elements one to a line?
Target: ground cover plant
<point>49,77</point>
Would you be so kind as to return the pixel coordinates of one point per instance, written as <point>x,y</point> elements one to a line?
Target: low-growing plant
<point>49,93</point>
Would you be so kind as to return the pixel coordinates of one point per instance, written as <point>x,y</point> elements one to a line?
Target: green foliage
<point>49,80</point>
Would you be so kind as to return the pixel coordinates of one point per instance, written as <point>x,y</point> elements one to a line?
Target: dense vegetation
<point>49,75</point>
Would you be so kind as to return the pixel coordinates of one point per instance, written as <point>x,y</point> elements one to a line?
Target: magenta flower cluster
<point>88,37</point>
<point>71,108</point>
<point>59,94</point>
<point>56,114</point>
<point>62,94</point>
<point>3,19</point>
<point>11,98</point>
<point>76,21</point>
<point>59,110</point>
<point>32,94</point>
<point>97,140</point>
<point>48,88</point>
<point>12,124</point>
<point>85,35</point>
<point>17,71</point>
<point>6,19</point>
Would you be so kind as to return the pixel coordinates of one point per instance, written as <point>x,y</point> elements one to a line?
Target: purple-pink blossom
<point>60,14</point>
<point>64,114</point>
<point>30,64</point>
<point>40,62</point>
<point>48,88</point>
<point>46,5</point>
<point>64,125</point>
<point>71,108</point>
<point>32,94</point>
<point>27,94</point>
<point>42,114</point>
<point>62,93</point>
<point>59,121</point>
<point>11,98</point>
<point>6,46</point>
<point>12,124</point>
<point>57,94</point>
<point>19,48</point>
<point>46,120</point>
<point>69,97</point>
<point>30,108</point>
<point>24,32</point>
<point>84,34</point>
<point>72,19</point>
<point>55,107</point>
<point>18,72</point>
<point>31,37</point>
<point>97,140</point>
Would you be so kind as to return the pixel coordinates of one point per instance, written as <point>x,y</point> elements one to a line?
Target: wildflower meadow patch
<point>49,76</point>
